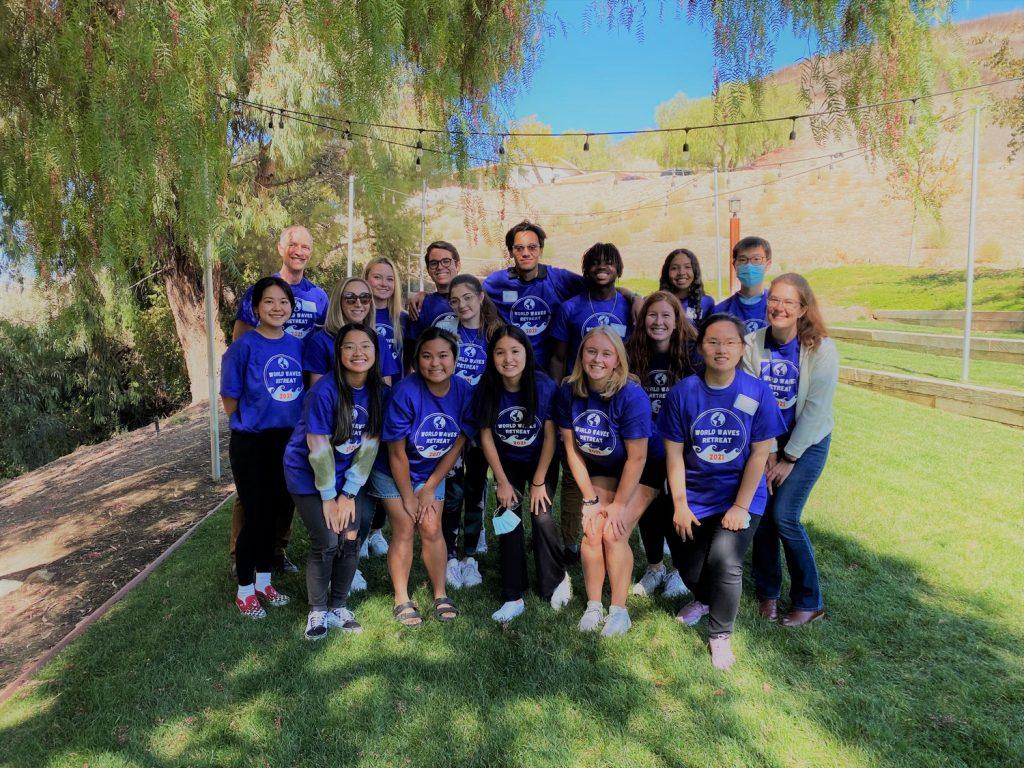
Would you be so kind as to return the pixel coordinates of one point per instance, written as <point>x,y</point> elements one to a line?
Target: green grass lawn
<point>986,373</point>
<point>886,287</point>
<point>917,523</point>
<point>880,325</point>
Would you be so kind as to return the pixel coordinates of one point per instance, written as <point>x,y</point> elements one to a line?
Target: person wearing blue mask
<point>514,410</point>
<point>718,429</point>
<point>262,390</point>
<point>751,257</point>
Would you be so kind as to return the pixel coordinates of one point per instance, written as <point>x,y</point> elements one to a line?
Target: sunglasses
<point>352,298</point>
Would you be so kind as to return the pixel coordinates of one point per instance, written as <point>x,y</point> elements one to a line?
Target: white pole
<point>211,364</point>
<point>351,217</point>
<point>969,306</point>
<point>718,240</point>
<point>423,229</point>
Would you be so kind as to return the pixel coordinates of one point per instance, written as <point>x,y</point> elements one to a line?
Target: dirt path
<point>76,530</point>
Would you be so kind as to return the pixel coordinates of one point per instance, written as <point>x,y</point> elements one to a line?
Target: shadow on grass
<point>174,677</point>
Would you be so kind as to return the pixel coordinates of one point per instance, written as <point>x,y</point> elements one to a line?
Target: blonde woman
<point>605,421</point>
<point>389,318</point>
<point>351,302</point>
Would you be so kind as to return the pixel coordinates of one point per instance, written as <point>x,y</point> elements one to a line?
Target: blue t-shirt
<point>514,439</point>
<point>707,305</point>
<point>657,386</point>
<point>436,311</point>
<point>716,428</point>
<point>390,352</point>
<point>532,305</point>
<point>754,315</point>
<point>782,372</point>
<point>472,355</point>
<point>601,426</point>
<point>310,308</point>
<point>581,314</point>
<point>318,414</point>
<point>265,377</point>
<point>428,424</point>
<point>318,353</point>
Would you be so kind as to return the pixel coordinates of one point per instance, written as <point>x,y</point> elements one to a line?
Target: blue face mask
<point>750,275</point>
<point>505,520</point>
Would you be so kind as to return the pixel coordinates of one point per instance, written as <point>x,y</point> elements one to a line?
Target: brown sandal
<point>407,614</point>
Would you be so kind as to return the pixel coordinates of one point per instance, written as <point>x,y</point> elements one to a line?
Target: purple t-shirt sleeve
<point>635,419</point>
<point>547,394</point>
<point>398,416</point>
<point>318,353</point>
<point>560,327</point>
<point>768,421</point>
<point>467,419</point>
<point>244,311</point>
<point>567,283</point>
<point>321,402</point>
<point>232,371</point>
<point>562,411</point>
<point>670,418</point>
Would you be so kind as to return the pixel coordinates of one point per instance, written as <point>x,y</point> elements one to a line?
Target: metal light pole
<point>718,239</point>
<point>351,217</point>
<point>734,237</point>
<point>969,306</point>
<point>423,228</point>
<point>211,363</point>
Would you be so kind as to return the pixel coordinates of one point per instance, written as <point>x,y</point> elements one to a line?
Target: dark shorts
<point>654,475</point>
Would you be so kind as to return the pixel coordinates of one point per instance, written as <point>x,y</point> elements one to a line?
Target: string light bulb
<point>280,120</point>
<point>912,120</point>
<point>586,144</point>
<point>348,135</point>
<point>419,148</point>
<point>419,165</point>
<point>686,145</point>
<point>792,131</point>
<point>501,146</point>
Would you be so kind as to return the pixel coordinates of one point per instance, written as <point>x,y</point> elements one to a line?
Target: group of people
<point>705,424</point>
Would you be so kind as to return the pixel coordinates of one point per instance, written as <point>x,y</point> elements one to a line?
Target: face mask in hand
<point>750,275</point>
<point>505,520</point>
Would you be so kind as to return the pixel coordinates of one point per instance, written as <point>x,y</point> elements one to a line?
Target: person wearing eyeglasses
<point>351,303</point>
<point>799,361</point>
<point>432,309</point>
<point>752,257</point>
<point>295,246</point>
<point>718,429</point>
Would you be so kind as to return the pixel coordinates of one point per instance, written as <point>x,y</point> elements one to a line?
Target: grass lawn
<point>886,287</point>
<point>880,325</point>
<point>917,523</point>
<point>986,373</point>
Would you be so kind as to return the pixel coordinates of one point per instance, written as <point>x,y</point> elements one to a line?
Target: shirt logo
<point>594,434</point>
<point>598,319</point>
<point>435,435</point>
<point>718,436</point>
<point>511,428</point>
<point>753,324</point>
<point>657,389</point>
<point>471,362</point>
<point>302,320</point>
<point>532,314</point>
<point>782,376</point>
<point>447,321</point>
<point>282,376</point>
<point>360,418</point>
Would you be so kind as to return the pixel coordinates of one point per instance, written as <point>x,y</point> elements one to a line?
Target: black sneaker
<point>316,625</point>
<point>284,565</point>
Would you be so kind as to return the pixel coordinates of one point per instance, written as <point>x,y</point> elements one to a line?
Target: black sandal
<point>407,614</point>
<point>445,610</point>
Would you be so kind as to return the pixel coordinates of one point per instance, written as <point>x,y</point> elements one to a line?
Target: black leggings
<point>465,488</point>
<point>711,565</point>
<point>258,469</point>
<point>547,544</point>
<point>656,528</point>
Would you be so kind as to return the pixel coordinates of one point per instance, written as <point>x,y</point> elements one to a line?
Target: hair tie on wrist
<point>591,502</point>
<point>538,485</point>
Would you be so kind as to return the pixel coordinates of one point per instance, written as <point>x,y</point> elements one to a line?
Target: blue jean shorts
<point>382,486</point>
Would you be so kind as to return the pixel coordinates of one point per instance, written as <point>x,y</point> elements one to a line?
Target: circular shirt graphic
<point>471,362</point>
<point>604,318</point>
<point>512,429</point>
<point>753,324</point>
<point>594,434</point>
<point>302,319</point>
<point>691,314</point>
<point>360,418</point>
<point>447,321</point>
<point>657,388</point>
<point>531,313</point>
<point>387,333</point>
<point>435,435</point>
<point>718,436</point>
<point>282,376</point>
<point>782,376</point>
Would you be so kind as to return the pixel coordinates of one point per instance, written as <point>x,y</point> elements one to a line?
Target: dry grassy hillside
<point>819,213</point>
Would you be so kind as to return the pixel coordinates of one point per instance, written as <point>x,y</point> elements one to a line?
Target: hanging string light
<point>792,131</point>
<point>586,144</point>
<point>419,147</point>
<point>912,120</point>
<point>686,145</point>
<point>501,146</point>
<point>280,120</point>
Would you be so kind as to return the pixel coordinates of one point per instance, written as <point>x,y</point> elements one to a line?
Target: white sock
<point>247,591</point>
<point>262,581</point>
<point>656,567</point>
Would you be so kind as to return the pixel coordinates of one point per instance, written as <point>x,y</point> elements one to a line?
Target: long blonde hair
<point>395,303</point>
<point>335,316</point>
<point>578,378</point>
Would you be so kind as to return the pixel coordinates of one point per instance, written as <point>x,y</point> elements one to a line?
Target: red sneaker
<point>251,607</point>
<point>271,596</point>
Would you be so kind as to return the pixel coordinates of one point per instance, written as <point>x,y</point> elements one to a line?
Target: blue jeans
<point>781,522</point>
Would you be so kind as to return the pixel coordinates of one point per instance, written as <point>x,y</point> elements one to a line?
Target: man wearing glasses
<point>443,264</point>
<point>295,246</point>
<point>751,257</point>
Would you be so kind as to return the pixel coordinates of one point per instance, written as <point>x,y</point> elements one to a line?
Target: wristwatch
<point>783,456</point>
<point>348,495</point>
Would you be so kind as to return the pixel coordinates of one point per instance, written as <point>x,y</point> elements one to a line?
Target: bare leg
<point>592,549</point>
<point>400,551</point>
<point>434,551</point>
<point>617,552</point>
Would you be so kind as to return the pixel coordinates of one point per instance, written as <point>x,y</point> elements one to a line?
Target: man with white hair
<point>295,247</point>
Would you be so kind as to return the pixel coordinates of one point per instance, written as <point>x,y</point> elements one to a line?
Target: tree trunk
<point>183,279</point>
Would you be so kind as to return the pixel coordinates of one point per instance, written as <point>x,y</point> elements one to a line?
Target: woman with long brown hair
<point>799,361</point>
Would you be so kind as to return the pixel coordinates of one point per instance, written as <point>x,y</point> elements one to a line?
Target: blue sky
<point>602,79</point>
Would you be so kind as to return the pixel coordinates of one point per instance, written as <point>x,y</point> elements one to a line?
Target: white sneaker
<point>343,619</point>
<point>562,594</point>
<point>358,582</point>
<point>316,625</point>
<point>453,574</point>
<point>481,543</point>
<point>592,617</point>
<point>377,543</point>
<point>364,549</point>
<point>674,586</point>
<point>722,656</point>
<point>617,623</point>
<point>665,550</point>
<point>509,611</point>
<point>653,578</point>
<point>471,573</point>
